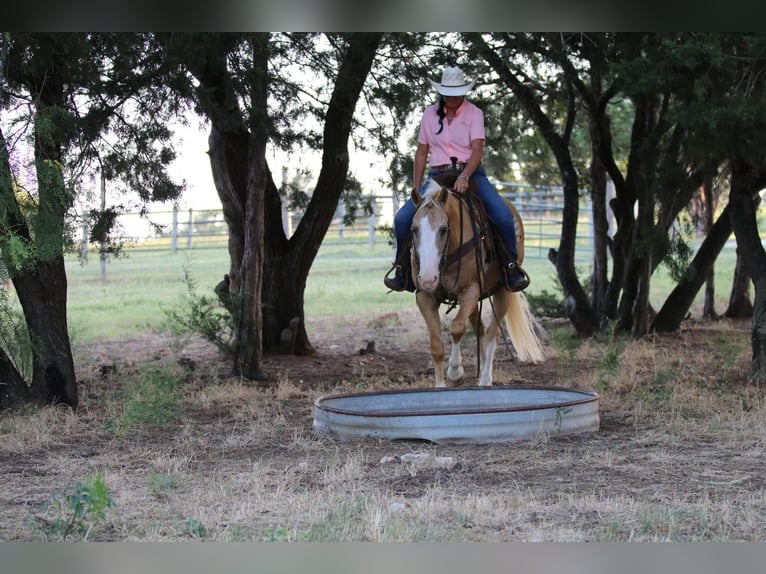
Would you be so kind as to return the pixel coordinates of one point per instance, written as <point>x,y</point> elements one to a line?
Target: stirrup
<point>398,282</point>
<point>402,280</point>
<point>521,281</point>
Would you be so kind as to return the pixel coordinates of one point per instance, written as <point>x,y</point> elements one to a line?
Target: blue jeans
<point>497,210</point>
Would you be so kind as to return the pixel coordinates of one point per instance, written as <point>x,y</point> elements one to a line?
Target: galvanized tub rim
<point>457,415</point>
<point>590,396</point>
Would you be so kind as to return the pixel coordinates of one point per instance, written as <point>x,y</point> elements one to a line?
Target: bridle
<point>467,203</point>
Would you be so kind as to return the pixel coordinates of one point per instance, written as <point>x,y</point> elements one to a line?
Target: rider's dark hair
<point>441,112</point>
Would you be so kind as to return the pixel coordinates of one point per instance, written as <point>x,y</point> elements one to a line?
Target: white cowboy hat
<point>453,83</point>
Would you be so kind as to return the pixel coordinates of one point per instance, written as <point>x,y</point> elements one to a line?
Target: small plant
<point>77,512</point>
<point>14,334</point>
<point>560,413</point>
<point>161,483</point>
<point>726,351</point>
<point>546,304</point>
<point>609,364</point>
<point>155,399</point>
<point>205,316</point>
<point>566,345</point>
<point>278,534</point>
<point>551,305</point>
<point>195,529</point>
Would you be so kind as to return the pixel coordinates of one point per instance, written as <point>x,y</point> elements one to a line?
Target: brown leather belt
<point>448,166</point>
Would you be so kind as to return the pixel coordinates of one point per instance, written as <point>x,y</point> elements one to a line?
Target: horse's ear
<point>443,193</point>
<point>416,197</point>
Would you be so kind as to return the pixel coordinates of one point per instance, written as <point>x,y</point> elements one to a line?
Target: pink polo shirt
<point>455,139</point>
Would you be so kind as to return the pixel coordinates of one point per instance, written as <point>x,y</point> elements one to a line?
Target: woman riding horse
<point>454,261</point>
<point>452,131</point>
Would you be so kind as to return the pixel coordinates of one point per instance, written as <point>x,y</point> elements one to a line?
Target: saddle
<point>482,225</point>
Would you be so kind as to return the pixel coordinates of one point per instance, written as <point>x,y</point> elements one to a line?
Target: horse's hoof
<point>456,376</point>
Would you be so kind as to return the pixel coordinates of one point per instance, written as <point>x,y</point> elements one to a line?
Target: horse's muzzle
<point>428,282</point>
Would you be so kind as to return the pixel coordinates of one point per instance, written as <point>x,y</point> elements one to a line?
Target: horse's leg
<point>478,329</point>
<point>500,302</point>
<point>467,302</point>
<point>429,308</point>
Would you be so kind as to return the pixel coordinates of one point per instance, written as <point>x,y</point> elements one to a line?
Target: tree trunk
<point>745,183</point>
<point>600,280</point>
<point>228,163</point>
<point>288,262</point>
<point>739,298</point>
<point>708,309</point>
<point>267,275</point>
<point>14,391</point>
<point>632,315</point>
<point>677,305</point>
<point>42,292</point>
<point>576,306</point>
<point>40,280</point>
<point>249,347</point>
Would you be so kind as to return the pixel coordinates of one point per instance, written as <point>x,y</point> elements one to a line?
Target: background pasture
<point>167,446</point>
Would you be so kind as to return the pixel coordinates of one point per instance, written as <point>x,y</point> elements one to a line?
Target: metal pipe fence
<point>541,210</point>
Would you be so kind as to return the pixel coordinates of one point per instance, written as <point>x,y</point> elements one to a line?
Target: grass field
<point>166,445</point>
<point>346,279</point>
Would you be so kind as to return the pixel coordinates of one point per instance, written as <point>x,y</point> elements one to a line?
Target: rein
<point>473,244</point>
<point>465,247</point>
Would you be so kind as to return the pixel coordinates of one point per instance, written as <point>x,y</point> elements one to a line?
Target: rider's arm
<point>477,150</point>
<point>421,156</point>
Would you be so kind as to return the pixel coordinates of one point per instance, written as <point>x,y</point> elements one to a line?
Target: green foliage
<point>162,483</point>
<point>609,363</point>
<point>18,252</point>
<point>203,315</point>
<point>277,534</point>
<point>154,399</point>
<point>546,304</point>
<point>77,512</point>
<point>679,254</point>
<point>14,336</point>
<point>195,529</point>
<point>388,233</point>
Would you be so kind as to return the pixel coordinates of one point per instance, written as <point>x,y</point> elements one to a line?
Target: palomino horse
<point>453,262</point>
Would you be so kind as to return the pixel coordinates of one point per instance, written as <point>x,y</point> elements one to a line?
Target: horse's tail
<point>523,329</point>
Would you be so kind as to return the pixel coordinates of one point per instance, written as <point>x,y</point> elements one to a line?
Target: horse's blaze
<point>428,239</point>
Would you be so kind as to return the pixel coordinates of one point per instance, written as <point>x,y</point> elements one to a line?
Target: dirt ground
<point>664,465</point>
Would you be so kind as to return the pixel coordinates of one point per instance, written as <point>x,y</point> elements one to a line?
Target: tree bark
<point>42,294</point>
<point>636,248</point>
<point>576,306</point>
<point>14,392</point>
<point>40,281</point>
<point>288,262</point>
<point>746,180</point>
<point>267,275</point>
<point>600,277</point>
<point>708,309</point>
<point>739,298</point>
<point>249,347</point>
<point>677,305</point>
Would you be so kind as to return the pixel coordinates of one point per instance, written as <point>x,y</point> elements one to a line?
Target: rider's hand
<point>461,184</point>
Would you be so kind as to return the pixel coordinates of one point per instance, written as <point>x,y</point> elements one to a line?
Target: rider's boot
<point>402,279</point>
<point>516,279</point>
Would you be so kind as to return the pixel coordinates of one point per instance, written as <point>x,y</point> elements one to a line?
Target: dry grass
<point>679,455</point>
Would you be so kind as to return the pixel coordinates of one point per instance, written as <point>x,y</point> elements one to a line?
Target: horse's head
<point>430,235</point>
